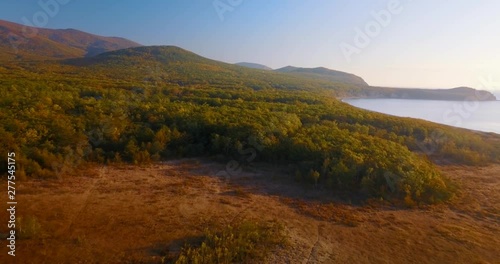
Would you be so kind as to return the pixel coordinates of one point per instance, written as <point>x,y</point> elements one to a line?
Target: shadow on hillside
<point>269,180</point>
<point>266,179</point>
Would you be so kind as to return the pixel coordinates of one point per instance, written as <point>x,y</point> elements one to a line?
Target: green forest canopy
<point>150,103</point>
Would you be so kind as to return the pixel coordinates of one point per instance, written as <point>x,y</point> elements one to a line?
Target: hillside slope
<point>146,104</point>
<point>253,66</point>
<point>19,42</point>
<point>324,74</point>
<point>453,94</point>
<point>171,64</point>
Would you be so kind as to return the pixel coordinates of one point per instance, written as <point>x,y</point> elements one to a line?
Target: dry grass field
<point>132,214</point>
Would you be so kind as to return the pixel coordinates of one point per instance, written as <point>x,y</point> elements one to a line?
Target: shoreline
<point>414,99</point>
<point>448,112</point>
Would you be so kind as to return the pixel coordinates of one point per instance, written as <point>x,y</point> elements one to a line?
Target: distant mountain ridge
<point>22,43</point>
<point>171,63</point>
<point>254,65</point>
<point>19,42</point>
<point>453,94</point>
<point>325,74</point>
<point>164,54</point>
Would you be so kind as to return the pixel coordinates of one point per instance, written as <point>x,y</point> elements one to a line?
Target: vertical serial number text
<point>11,202</point>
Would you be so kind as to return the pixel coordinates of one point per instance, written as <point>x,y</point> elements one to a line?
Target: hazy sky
<point>421,43</point>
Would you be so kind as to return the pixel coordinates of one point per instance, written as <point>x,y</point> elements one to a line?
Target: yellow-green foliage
<point>29,227</point>
<point>246,242</point>
<point>156,103</point>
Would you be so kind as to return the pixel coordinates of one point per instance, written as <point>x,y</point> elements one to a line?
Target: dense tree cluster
<point>59,115</point>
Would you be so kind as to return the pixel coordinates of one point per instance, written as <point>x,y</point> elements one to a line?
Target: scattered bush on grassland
<point>245,242</point>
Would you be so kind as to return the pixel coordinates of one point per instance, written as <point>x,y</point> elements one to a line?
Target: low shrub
<point>242,243</point>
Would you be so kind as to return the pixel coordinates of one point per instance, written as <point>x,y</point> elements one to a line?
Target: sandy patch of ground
<point>127,214</point>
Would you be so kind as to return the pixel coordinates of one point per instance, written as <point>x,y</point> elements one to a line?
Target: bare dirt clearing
<point>130,214</point>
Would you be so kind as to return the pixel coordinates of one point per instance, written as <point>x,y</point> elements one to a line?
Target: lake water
<point>483,116</point>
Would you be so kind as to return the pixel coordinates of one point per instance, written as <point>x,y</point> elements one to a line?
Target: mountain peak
<point>47,44</point>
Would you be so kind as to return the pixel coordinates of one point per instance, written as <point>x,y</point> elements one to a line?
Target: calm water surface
<point>483,116</point>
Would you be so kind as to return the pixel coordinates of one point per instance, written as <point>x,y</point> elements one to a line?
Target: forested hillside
<point>453,94</point>
<point>325,74</point>
<point>21,43</point>
<point>146,104</point>
<point>253,65</point>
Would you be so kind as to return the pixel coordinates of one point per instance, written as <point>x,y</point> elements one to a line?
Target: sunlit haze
<point>434,44</point>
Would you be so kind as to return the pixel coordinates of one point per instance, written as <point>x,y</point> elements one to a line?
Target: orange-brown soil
<point>132,214</point>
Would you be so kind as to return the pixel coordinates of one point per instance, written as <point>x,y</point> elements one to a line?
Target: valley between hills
<point>153,154</point>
